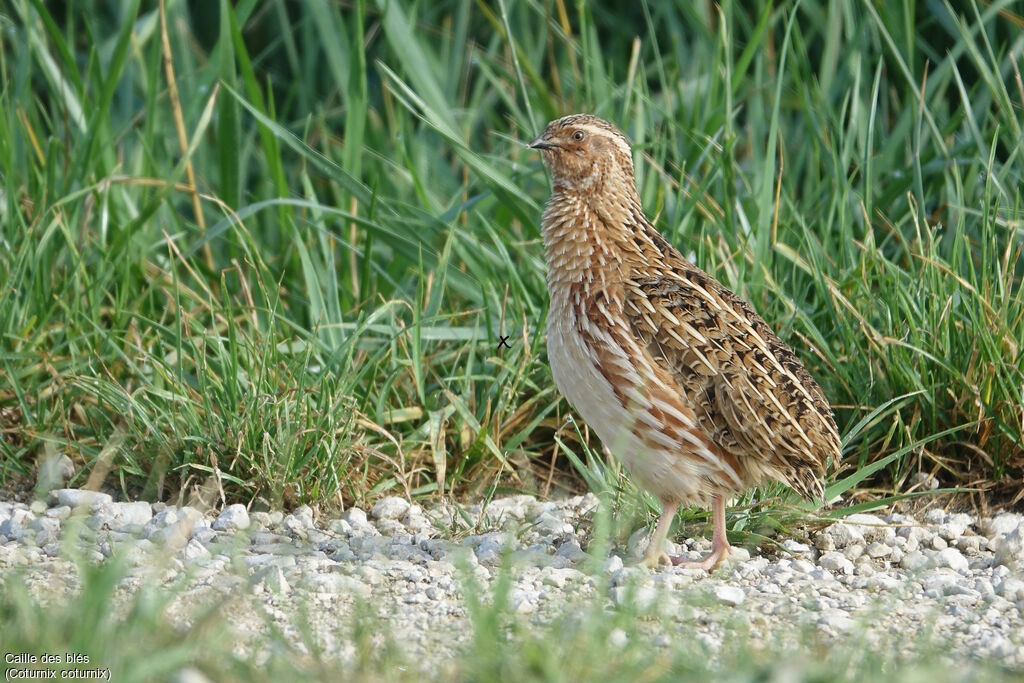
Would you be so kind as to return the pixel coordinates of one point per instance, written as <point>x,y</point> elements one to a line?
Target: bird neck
<point>580,239</point>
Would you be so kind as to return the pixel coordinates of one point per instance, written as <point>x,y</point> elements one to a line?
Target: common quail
<point>677,375</point>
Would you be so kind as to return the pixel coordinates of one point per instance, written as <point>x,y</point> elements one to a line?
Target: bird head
<point>585,153</point>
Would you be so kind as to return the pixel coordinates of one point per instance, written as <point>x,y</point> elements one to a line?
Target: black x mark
<point>503,341</point>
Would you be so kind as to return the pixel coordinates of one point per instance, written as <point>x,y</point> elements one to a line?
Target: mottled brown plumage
<point>678,376</point>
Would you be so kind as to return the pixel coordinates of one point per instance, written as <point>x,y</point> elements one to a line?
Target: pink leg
<point>720,548</point>
<point>655,554</point>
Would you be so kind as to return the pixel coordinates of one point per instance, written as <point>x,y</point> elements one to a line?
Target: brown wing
<point>750,393</point>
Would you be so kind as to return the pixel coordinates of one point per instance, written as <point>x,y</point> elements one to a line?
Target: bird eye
<point>578,136</point>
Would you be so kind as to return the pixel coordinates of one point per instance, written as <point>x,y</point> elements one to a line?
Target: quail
<point>680,378</point>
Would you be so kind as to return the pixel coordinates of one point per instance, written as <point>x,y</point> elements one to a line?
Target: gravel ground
<point>884,578</point>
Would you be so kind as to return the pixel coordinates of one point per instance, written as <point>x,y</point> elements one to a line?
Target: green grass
<point>299,292</point>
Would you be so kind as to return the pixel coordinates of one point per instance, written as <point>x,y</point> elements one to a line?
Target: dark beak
<point>541,143</point>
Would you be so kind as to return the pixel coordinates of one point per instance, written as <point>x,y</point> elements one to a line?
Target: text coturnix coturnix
<point>678,376</point>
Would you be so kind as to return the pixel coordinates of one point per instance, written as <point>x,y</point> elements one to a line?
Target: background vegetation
<point>273,245</point>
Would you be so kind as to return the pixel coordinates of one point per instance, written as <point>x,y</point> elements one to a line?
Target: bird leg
<point>720,548</point>
<point>656,554</point>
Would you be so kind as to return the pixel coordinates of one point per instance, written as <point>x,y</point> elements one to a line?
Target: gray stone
<point>54,472</point>
<point>844,534</point>
<point>729,595</point>
<point>232,518</point>
<point>189,675</point>
<point>935,516</point>
<point>796,548</point>
<point>60,512</point>
<point>173,527</point>
<point>390,507</point>
<point>524,601</point>
<point>836,562</point>
<point>1012,588</point>
<point>1001,524</point>
<point>355,517</point>
<point>639,597</point>
<point>613,565</point>
<point>337,584</point>
<point>836,621</point>
<point>194,550</point>
<point>916,561</point>
<point>871,527</point>
<point>824,542</point>
<point>954,526</point>
<point>274,581</point>
<point>17,524</point>
<point>1009,548</point>
<point>74,498</point>
<point>120,515</point>
<point>572,552</point>
<point>952,558</point>
<point>878,550</point>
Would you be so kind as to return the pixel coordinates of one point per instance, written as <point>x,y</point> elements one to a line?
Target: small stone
<point>844,534</point>
<point>613,565</point>
<point>836,620</point>
<point>883,583</point>
<point>194,550</point>
<point>572,552</point>
<point>232,518</point>
<point>938,543</point>
<point>60,512</point>
<point>120,515</point>
<point>925,481</point>
<point>864,567</point>
<point>274,582</point>
<point>74,498</point>
<point>189,675</point>
<point>935,516</point>
<point>729,595</point>
<point>1012,588</point>
<point>336,584</point>
<point>836,562</point>
<point>739,554</point>
<point>523,602</point>
<point>954,526</point>
<point>390,507</point>
<point>916,561</point>
<point>854,551</point>
<point>878,550</point>
<point>970,545</point>
<point>824,542</point>
<point>1009,549</point>
<point>549,523</point>
<point>16,525</point>
<point>355,517</point>
<point>802,566</point>
<point>871,527</point>
<point>796,548</point>
<point>617,638</point>
<point>1001,524</point>
<point>173,527</point>
<point>54,472</point>
<point>952,558</point>
<point>414,598</point>
<point>645,597</point>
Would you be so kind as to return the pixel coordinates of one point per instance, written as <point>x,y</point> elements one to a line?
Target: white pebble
<point>391,507</point>
<point>232,518</point>
<point>729,595</point>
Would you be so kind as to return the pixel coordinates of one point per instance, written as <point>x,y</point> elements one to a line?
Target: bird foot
<point>709,563</point>
<point>652,560</point>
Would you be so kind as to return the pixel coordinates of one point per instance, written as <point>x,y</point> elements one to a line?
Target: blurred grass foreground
<point>276,243</point>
